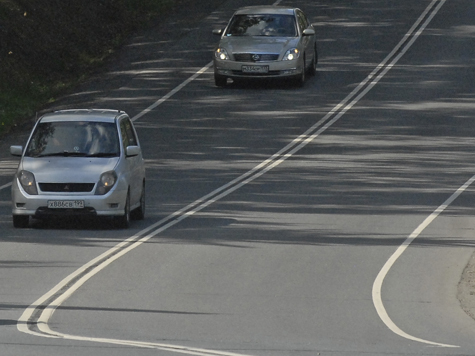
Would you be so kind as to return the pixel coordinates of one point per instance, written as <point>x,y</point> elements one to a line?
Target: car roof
<point>101,115</point>
<point>258,10</point>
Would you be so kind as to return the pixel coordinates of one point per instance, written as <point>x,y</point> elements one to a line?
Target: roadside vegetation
<point>49,46</point>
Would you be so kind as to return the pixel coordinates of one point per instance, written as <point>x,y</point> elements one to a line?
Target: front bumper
<point>277,69</point>
<point>110,204</point>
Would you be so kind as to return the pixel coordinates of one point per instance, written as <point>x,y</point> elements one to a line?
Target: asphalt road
<point>333,219</point>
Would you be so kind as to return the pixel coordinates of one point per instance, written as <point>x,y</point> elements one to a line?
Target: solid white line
<point>172,92</point>
<point>6,186</point>
<point>378,283</point>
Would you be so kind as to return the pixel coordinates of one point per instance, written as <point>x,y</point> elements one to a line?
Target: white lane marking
<point>6,186</point>
<point>172,92</point>
<point>378,283</point>
<point>45,309</point>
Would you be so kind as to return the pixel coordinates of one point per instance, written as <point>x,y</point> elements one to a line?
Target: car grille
<point>270,73</point>
<point>44,212</point>
<point>255,57</point>
<point>66,187</point>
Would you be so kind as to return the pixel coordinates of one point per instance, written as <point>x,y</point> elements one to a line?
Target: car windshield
<point>262,25</point>
<point>74,138</point>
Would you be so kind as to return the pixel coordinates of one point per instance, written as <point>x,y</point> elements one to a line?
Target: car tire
<point>21,221</point>
<point>123,221</point>
<point>316,55</point>
<point>220,80</point>
<point>139,213</point>
<point>300,79</point>
<point>313,68</point>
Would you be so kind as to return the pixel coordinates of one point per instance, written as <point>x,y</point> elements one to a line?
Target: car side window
<point>128,134</point>
<point>302,20</point>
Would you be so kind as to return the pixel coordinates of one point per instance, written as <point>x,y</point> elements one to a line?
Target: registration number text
<point>65,204</point>
<point>255,69</point>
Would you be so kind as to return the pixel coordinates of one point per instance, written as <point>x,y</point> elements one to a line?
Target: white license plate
<point>65,204</point>
<point>255,69</point>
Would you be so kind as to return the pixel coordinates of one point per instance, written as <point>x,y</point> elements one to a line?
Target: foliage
<point>48,45</point>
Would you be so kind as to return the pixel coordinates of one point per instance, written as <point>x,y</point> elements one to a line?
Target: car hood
<point>68,169</point>
<point>258,44</point>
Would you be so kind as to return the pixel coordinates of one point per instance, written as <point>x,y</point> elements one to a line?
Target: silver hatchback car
<point>83,163</point>
<point>266,42</point>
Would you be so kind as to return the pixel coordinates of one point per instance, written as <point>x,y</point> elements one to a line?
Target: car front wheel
<point>123,221</point>
<point>139,213</point>
<point>300,79</point>
<point>220,80</point>
<point>313,67</point>
<point>21,221</point>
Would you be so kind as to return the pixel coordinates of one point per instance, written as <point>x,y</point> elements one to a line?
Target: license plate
<point>65,204</point>
<point>255,69</point>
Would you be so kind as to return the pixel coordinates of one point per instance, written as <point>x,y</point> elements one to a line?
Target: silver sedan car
<point>80,163</point>
<point>266,42</point>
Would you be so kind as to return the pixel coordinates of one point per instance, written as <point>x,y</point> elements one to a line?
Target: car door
<point>308,41</point>
<point>134,163</point>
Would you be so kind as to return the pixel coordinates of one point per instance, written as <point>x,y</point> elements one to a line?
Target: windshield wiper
<point>104,154</point>
<point>63,154</point>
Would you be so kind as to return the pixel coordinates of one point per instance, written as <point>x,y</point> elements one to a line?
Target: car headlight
<point>28,182</point>
<point>106,182</point>
<point>222,54</point>
<point>291,54</point>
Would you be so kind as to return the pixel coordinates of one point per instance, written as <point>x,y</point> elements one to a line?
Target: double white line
<point>35,318</point>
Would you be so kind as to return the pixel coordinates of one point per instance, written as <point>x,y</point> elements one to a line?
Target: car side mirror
<point>218,31</point>
<point>16,150</point>
<point>132,151</point>
<point>309,32</point>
